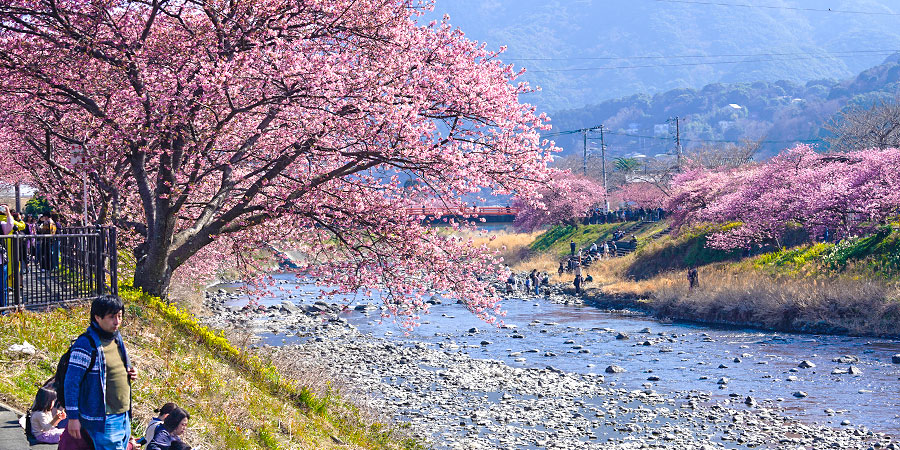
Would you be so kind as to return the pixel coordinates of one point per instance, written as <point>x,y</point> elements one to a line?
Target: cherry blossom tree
<point>643,194</point>
<point>212,127</point>
<point>565,200</point>
<point>845,193</point>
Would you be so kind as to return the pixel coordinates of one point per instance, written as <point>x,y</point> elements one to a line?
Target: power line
<point>791,8</point>
<point>644,66</point>
<point>732,55</point>
<point>720,141</point>
<point>682,139</point>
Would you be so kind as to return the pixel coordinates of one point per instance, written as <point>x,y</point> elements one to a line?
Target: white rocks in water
<point>845,422</point>
<point>646,331</point>
<point>801,394</point>
<point>23,349</point>
<point>839,371</point>
<point>791,378</point>
<point>723,380</point>
<point>473,330</point>
<point>853,370</point>
<point>895,359</point>
<point>846,359</point>
<point>622,336</point>
<point>289,307</point>
<point>615,369</point>
<point>806,364</point>
<point>483,343</point>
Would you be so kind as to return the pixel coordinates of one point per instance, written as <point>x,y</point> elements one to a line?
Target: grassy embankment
<point>852,287</point>
<point>236,400</point>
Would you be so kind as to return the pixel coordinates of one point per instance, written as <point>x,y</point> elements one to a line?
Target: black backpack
<point>59,379</point>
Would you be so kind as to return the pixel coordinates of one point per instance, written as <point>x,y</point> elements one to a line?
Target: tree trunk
<point>153,273</point>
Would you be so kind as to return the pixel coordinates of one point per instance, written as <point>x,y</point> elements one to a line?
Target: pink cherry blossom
<point>212,129</point>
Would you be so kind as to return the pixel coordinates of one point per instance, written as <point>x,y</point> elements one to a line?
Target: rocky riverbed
<point>457,399</point>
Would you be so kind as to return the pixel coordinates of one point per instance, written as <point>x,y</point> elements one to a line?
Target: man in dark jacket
<point>98,398</point>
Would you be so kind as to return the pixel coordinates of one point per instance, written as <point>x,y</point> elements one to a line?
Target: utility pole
<point>584,157</point>
<point>603,166</point>
<point>678,140</point>
<point>18,198</point>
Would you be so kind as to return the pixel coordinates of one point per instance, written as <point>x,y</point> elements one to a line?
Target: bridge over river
<point>490,214</point>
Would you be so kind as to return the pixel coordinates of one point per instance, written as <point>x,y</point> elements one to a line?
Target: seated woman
<point>45,417</point>
<point>157,421</point>
<point>170,431</point>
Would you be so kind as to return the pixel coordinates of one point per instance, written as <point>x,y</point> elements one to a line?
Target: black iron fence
<point>78,263</point>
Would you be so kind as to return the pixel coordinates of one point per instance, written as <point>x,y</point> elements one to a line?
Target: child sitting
<point>45,417</point>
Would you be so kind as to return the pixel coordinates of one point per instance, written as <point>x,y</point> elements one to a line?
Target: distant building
<point>633,128</point>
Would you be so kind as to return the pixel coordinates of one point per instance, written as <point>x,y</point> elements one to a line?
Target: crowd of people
<point>600,215</point>
<point>30,253</point>
<point>87,404</point>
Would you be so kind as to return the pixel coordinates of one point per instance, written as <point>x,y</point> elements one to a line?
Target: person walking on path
<point>98,398</point>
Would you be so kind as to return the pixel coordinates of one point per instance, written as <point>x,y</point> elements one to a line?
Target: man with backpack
<point>97,380</point>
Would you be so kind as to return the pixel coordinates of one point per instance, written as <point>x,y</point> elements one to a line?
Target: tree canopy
<point>208,128</point>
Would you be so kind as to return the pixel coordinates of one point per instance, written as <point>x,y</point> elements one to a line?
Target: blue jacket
<point>86,400</point>
<point>163,439</point>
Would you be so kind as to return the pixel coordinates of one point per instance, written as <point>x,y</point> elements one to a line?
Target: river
<point>677,357</point>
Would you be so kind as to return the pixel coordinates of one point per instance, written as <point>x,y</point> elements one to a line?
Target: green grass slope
<point>236,400</point>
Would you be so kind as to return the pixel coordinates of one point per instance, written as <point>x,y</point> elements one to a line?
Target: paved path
<point>12,437</point>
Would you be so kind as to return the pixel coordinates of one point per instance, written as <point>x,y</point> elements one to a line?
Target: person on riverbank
<point>693,280</point>
<point>98,398</point>
<point>572,247</point>
<point>561,269</point>
<point>45,416</point>
<point>155,422</point>
<point>170,431</point>
<point>578,279</point>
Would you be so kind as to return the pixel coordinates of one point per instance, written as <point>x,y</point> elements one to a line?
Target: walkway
<point>12,437</point>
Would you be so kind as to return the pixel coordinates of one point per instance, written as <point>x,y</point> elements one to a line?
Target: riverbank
<point>848,289</point>
<point>457,399</point>
<point>235,399</point>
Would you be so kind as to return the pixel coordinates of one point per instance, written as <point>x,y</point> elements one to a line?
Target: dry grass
<point>729,295</point>
<point>513,247</point>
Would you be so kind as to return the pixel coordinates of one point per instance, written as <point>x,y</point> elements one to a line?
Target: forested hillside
<point>582,52</point>
<point>779,114</point>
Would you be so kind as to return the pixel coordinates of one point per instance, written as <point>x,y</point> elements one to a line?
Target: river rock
<point>800,394</point>
<point>289,307</point>
<point>895,359</point>
<point>622,336</point>
<point>805,364</point>
<point>23,349</point>
<point>615,369</point>
<point>853,370</point>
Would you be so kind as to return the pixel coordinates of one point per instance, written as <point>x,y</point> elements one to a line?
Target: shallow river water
<point>583,339</point>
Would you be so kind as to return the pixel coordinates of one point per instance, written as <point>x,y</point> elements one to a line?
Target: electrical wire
<point>733,55</point>
<point>790,8</point>
<point>645,66</point>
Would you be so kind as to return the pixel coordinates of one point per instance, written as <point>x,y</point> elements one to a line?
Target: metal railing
<point>78,263</point>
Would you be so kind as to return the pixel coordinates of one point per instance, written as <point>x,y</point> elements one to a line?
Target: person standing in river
<point>578,279</point>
